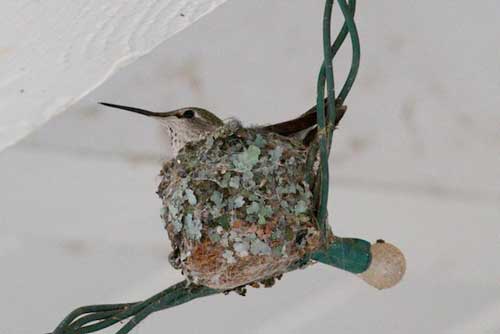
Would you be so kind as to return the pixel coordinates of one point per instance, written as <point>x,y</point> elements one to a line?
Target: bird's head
<point>182,125</point>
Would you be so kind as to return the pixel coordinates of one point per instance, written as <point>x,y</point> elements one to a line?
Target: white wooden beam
<point>52,53</point>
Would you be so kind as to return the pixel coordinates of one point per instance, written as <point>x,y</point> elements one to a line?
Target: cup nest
<point>236,207</point>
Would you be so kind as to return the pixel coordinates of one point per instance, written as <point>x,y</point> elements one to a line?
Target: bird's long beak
<point>140,111</point>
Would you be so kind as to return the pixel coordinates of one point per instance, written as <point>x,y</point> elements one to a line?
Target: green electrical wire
<point>328,65</point>
<point>330,54</point>
<point>342,35</point>
<point>345,253</point>
<point>339,40</point>
<point>349,254</point>
<point>326,126</point>
<point>356,49</point>
<point>324,134</point>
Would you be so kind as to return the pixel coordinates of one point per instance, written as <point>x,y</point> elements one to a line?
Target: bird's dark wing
<point>303,122</point>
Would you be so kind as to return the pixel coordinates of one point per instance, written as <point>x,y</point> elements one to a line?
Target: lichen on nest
<point>237,208</point>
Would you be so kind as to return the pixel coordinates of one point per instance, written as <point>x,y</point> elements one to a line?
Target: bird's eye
<point>188,113</point>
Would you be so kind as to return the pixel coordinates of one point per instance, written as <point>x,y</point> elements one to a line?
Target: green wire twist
<point>345,253</point>
<point>326,124</point>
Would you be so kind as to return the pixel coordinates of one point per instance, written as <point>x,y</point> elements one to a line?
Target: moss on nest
<point>236,207</point>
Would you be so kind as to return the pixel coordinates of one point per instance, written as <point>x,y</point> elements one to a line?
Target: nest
<point>237,209</point>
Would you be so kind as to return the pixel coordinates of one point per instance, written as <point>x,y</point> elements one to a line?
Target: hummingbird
<point>193,123</point>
